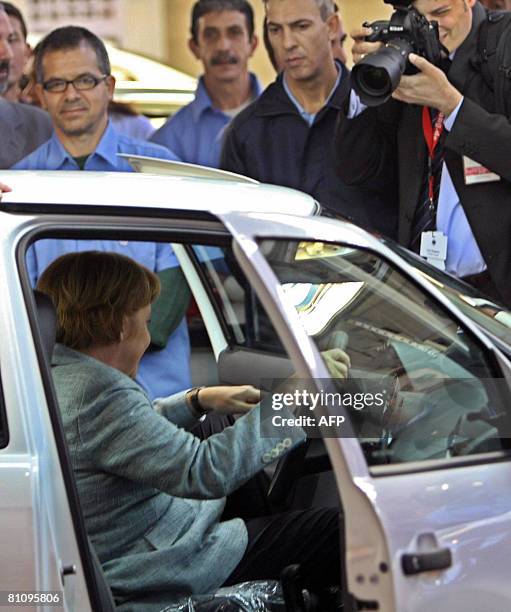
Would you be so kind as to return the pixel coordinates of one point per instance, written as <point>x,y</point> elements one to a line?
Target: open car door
<point>422,458</point>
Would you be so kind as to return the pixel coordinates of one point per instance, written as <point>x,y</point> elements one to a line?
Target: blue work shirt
<point>163,372</point>
<point>195,132</point>
<point>53,156</point>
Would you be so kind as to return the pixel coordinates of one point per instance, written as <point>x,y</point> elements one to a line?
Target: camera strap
<point>432,135</point>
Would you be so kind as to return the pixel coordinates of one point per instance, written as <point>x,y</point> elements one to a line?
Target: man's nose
<point>71,92</point>
<point>5,50</point>
<point>288,39</point>
<point>223,42</point>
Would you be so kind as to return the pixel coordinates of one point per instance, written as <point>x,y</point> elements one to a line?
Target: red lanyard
<point>432,136</point>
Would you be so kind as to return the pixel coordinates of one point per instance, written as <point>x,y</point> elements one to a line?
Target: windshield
<point>492,317</point>
<point>426,388</point>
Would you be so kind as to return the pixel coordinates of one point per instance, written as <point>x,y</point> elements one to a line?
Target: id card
<point>476,173</point>
<point>434,248</point>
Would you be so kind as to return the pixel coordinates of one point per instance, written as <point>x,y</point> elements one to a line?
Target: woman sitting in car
<point>152,493</point>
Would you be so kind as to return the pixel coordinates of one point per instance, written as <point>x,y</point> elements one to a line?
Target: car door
<point>423,474</point>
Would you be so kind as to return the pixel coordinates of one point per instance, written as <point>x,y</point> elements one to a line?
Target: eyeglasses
<point>83,82</point>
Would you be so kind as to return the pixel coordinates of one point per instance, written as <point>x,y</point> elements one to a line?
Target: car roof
<point>107,189</point>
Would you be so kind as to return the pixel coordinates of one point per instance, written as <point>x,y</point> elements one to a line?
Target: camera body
<point>409,26</point>
<point>407,31</point>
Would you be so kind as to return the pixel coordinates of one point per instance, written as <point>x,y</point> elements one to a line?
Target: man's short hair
<point>326,7</point>
<point>70,37</point>
<point>203,7</point>
<point>14,11</point>
<point>93,292</point>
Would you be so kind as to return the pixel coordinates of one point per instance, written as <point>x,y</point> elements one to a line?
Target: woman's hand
<point>4,189</point>
<point>229,400</point>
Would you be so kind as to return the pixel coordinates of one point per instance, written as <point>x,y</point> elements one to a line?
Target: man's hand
<point>4,189</point>
<point>361,47</point>
<point>337,361</point>
<point>229,400</point>
<point>430,87</point>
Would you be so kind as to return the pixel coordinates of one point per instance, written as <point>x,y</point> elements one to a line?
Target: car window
<point>246,322</point>
<point>4,434</point>
<point>493,318</point>
<point>431,389</point>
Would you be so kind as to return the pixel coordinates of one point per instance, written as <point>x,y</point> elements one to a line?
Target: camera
<point>378,74</point>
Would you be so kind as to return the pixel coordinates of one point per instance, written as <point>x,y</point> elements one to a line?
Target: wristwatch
<point>195,406</point>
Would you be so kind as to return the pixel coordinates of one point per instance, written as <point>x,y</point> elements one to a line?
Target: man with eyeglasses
<point>75,85</point>
<point>22,128</point>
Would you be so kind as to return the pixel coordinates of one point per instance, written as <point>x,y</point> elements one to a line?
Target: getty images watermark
<point>312,401</point>
<point>321,410</point>
<point>430,415</point>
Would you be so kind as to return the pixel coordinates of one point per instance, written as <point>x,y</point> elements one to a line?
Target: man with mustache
<point>75,85</point>
<point>223,39</point>
<point>22,127</point>
<point>287,136</point>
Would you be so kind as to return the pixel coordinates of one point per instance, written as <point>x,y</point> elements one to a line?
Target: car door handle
<point>416,563</point>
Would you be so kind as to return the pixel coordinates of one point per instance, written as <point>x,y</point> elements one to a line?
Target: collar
<point>108,145</point>
<point>309,117</point>
<point>275,101</point>
<point>63,355</point>
<point>461,65</point>
<point>107,149</point>
<point>202,101</point>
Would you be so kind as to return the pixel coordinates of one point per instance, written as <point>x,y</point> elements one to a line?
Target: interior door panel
<point>240,366</point>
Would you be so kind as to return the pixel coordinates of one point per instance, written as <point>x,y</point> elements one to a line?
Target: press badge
<point>434,248</point>
<point>476,173</point>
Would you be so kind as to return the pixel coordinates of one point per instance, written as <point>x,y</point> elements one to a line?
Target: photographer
<point>449,146</point>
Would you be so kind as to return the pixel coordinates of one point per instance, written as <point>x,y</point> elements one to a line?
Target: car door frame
<point>74,222</point>
<point>372,566</point>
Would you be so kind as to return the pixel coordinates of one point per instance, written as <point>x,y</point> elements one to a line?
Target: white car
<point>418,457</point>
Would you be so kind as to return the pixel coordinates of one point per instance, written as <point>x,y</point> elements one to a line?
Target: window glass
<point>4,434</point>
<point>492,317</point>
<point>439,395</point>
<point>246,322</point>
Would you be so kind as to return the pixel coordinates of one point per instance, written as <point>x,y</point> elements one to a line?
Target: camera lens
<point>378,74</point>
<point>375,81</point>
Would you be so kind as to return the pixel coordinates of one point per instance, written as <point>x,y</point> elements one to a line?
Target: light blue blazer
<point>152,493</point>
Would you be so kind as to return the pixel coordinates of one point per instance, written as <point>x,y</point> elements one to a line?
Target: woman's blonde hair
<point>92,292</point>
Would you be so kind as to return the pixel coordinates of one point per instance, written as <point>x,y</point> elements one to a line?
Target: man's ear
<point>253,44</point>
<point>28,51</point>
<point>110,83</point>
<point>194,48</point>
<point>333,24</point>
<point>39,92</point>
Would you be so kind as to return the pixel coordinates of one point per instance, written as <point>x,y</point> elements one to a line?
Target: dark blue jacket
<point>270,142</point>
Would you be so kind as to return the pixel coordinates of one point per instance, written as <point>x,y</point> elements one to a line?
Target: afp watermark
<point>322,410</point>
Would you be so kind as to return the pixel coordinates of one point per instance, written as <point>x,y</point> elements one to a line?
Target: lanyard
<point>432,136</point>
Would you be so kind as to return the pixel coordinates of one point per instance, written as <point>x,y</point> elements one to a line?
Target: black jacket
<point>390,137</point>
<point>270,142</point>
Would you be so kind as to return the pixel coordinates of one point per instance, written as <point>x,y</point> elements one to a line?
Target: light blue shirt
<point>310,117</point>
<point>463,255</point>
<point>53,156</point>
<point>161,373</point>
<point>196,131</point>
